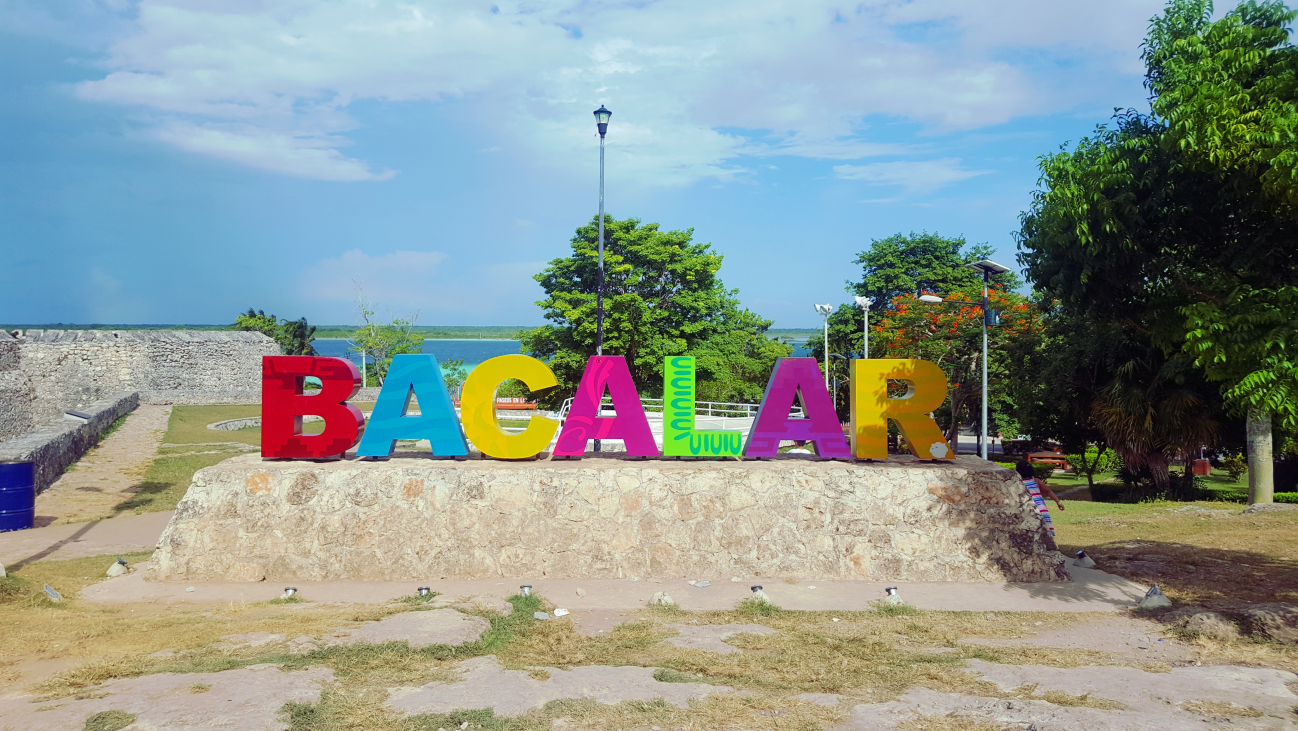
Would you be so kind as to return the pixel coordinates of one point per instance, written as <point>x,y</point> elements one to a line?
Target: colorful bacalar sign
<point>419,377</point>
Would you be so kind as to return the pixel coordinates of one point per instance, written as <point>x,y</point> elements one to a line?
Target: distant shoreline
<point>484,333</point>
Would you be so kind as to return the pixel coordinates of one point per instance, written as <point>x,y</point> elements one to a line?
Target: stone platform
<point>415,518</point>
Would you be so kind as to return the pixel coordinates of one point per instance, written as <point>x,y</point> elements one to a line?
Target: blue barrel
<point>17,495</point>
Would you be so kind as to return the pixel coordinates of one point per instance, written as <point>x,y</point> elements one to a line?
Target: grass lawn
<point>1206,553</point>
<point>1218,484</point>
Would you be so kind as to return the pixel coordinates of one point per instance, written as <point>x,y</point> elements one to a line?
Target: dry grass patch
<point>348,710</point>
<point>869,656</point>
<point>1060,698</point>
<point>1221,709</point>
<point>949,722</point>
<point>1246,652</point>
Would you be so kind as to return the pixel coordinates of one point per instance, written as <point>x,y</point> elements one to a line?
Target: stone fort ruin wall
<point>46,372</point>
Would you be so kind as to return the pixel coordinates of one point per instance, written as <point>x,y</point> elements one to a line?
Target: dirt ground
<point>107,475</point>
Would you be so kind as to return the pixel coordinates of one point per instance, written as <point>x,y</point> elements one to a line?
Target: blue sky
<point>180,161</point>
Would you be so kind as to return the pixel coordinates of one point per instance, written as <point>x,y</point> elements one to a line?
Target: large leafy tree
<point>662,297</point>
<point>951,336</point>
<point>1164,226</point>
<point>894,271</point>
<point>1227,92</point>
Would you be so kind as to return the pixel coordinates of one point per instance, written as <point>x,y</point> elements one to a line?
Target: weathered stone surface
<point>1270,507</point>
<point>415,518</point>
<point>1277,621</point>
<point>711,637</point>
<point>420,629</point>
<point>511,692</point>
<point>44,372</point>
<point>247,698</point>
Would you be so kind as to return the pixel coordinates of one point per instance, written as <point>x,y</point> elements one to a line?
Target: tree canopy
<point>894,271</point>
<point>662,297</point>
<point>294,337</point>
<point>1173,234</point>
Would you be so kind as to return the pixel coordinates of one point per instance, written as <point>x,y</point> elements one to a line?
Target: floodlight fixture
<point>988,267</point>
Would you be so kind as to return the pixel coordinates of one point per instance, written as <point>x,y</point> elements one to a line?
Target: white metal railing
<point>701,408</point>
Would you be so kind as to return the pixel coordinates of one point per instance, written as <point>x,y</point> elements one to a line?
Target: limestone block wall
<point>16,396</point>
<point>416,518</point>
<point>58,444</point>
<point>58,370</point>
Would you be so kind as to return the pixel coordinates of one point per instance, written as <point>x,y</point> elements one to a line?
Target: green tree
<point>662,297</point>
<point>383,340</point>
<point>1178,225</point>
<point>454,373</point>
<point>894,271</point>
<point>258,321</point>
<point>294,337</point>
<point>1092,461</point>
<point>1228,93</point>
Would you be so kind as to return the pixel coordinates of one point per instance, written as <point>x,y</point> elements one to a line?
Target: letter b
<point>283,405</point>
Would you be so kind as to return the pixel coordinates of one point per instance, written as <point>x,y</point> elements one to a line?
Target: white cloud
<point>404,280</point>
<point>305,157</point>
<point>431,282</point>
<point>922,176</point>
<point>695,87</point>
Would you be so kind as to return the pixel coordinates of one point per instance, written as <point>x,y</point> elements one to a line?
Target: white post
<point>983,446</point>
<point>827,351</point>
<point>864,303</point>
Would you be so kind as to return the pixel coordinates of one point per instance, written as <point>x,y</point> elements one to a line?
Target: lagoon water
<point>472,352</point>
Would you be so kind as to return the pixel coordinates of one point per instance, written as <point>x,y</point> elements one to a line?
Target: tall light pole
<point>825,311</point>
<point>864,303</point>
<point>601,123</point>
<point>988,268</point>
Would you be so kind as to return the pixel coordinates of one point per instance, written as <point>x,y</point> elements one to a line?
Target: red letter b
<point>283,405</point>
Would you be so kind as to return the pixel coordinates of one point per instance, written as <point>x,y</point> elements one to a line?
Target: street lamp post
<point>601,123</point>
<point>988,268</point>
<point>864,303</point>
<point>844,358</point>
<point>825,311</point>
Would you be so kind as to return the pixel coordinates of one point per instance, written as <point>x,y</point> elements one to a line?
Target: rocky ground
<point>442,662</point>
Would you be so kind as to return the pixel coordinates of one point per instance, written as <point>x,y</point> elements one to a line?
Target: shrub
<point>1043,471</point>
<point>1286,497</point>
<point>1091,461</point>
<point>1139,486</point>
<point>1236,466</point>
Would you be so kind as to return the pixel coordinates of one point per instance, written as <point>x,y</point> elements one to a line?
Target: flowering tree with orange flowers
<point>950,335</point>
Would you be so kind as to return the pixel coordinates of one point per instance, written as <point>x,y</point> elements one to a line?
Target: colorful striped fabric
<point>1041,504</point>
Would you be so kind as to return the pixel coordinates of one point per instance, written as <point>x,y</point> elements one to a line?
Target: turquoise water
<point>472,352</point>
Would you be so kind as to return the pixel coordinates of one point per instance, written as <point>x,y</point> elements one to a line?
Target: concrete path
<point>125,534</point>
<point>108,474</point>
<point>1090,591</point>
